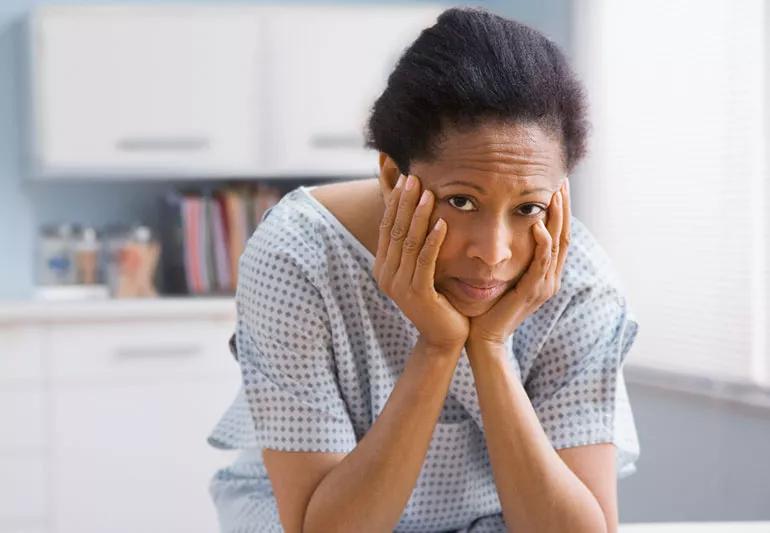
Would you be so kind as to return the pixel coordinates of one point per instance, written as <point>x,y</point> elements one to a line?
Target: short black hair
<point>470,67</point>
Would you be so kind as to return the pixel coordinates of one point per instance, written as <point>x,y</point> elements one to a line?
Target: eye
<point>541,208</point>
<point>465,201</point>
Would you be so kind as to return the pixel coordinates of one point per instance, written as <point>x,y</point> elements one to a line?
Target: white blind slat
<point>674,186</point>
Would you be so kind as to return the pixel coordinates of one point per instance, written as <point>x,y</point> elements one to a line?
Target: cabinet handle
<point>133,352</point>
<point>160,144</point>
<point>331,140</point>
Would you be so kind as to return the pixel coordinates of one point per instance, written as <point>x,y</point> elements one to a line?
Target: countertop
<point>42,311</point>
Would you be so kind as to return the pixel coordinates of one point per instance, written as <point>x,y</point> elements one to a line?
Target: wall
<point>700,459</point>
<point>26,205</point>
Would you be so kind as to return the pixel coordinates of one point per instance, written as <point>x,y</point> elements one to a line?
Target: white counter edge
<point>37,311</point>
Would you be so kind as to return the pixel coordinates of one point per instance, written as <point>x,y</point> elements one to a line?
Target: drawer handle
<point>160,144</point>
<point>133,352</point>
<point>333,141</point>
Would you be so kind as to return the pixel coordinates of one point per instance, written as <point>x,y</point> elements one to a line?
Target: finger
<point>541,260</point>
<point>416,237</point>
<point>399,229</point>
<point>425,267</point>
<point>385,225</point>
<point>555,219</point>
<point>565,230</point>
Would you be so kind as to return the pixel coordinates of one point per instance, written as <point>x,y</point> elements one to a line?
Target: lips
<point>481,283</point>
<point>472,292</point>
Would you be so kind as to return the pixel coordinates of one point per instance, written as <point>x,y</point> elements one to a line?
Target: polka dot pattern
<point>320,349</point>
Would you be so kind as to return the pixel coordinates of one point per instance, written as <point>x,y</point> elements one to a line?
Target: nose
<point>491,244</point>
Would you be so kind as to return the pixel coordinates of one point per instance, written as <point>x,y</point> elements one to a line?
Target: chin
<point>469,309</point>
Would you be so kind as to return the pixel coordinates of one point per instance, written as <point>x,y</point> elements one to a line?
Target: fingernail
<point>567,182</point>
<point>400,181</point>
<point>410,183</point>
<point>424,197</point>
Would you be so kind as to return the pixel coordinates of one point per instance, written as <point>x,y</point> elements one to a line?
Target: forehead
<point>495,155</point>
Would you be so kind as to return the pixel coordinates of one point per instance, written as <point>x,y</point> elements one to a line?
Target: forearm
<point>369,489</point>
<point>537,490</point>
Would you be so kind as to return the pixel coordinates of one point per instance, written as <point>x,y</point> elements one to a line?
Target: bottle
<point>56,262</point>
<point>115,238</point>
<point>87,249</point>
<point>138,260</point>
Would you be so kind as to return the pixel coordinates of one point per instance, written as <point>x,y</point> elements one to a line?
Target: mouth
<point>475,293</point>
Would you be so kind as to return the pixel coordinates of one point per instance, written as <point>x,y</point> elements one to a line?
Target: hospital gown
<point>320,349</point>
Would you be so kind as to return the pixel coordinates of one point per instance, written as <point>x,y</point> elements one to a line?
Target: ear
<point>389,173</point>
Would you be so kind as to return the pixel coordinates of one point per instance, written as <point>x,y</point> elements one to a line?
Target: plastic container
<point>87,254</point>
<point>56,255</point>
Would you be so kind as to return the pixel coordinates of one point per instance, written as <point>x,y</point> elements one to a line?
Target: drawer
<point>134,457</point>
<point>23,487</point>
<point>141,350</point>
<point>23,419</point>
<point>21,350</point>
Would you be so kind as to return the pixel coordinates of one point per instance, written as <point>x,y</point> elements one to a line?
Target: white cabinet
<point>24,457</point>
<point>327,67</point>
<point>157,90</point>
<point>210,91</point>
<point>133,457</point>
<point>21,353</point>
<point>106,429</point>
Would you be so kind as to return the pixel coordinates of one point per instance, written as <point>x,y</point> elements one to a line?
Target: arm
<point>370,488</point>
<point>537,490</point>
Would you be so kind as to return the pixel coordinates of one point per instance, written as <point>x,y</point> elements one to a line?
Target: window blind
<point>674,186</point>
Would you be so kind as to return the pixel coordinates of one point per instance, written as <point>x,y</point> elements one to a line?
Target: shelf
<point>39,311</point>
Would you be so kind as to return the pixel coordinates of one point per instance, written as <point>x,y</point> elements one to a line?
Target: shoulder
<point>357,205</point>
<point>279,275</point>
<point>588,322</point>
<point>306,224</point>
<point>591,293</point>
<point>588,269</point>
<point>287,237</point>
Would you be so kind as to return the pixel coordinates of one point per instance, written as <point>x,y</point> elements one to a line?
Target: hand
<point>541,280</point>
<point>405,266</point>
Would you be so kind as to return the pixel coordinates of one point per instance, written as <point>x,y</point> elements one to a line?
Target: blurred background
<point>141,143</point>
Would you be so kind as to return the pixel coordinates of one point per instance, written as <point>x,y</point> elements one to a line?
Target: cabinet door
<point>131,406</point>
<point>21,348</point>
<point>134,457</point>
<point>153,90</point>
<point>23,491</point>
<point>24,457</point>
<point>327,66</point>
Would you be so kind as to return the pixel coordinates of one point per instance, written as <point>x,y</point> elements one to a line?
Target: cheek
<point>524,246</point>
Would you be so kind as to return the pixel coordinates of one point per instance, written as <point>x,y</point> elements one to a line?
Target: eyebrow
<point>482,191</point>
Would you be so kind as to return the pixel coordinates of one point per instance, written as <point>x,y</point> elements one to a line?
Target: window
<point>675,183</point>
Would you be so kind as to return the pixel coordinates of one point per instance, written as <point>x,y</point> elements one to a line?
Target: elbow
<point>590,524</point>
<point>600,525</point>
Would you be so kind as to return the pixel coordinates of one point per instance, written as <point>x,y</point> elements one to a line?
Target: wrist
<point>485,347</point>
<point>445,349</point>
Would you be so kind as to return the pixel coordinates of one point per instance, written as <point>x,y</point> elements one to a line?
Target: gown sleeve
<point>576,383</point>
<point>284,349</point>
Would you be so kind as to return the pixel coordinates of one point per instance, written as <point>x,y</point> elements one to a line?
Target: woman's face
<point>510,173</point>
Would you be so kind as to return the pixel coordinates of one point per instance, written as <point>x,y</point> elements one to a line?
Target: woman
<point>400,374</point>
